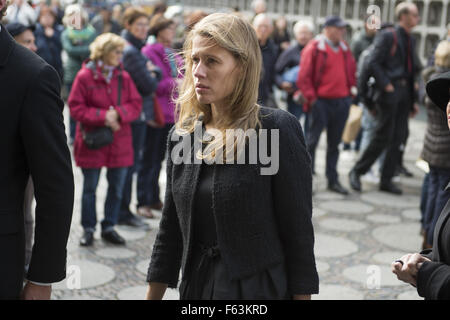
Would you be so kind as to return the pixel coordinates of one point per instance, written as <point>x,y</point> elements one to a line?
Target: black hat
<point>16,28</point>
<point>438,90</point>
<point>335,21</point>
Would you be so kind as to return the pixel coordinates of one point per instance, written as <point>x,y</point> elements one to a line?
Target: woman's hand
<point>155,291</point>
<point>112,120</point>
<point>407,267</point>
<point>301,297</point>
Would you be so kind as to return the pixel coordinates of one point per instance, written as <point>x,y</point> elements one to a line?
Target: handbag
<point>353,124</point>
<point>103,136</point>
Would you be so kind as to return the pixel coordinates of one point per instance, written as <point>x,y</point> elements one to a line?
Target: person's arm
<point>165,262</point>
<point>280,67</point>
<point>306,74</point>
<point>78,104</point>
<point>382,46</point>
<point>131,108</point>
<point>433,280</point>
<point>45,143</point>
<point>156,291</point>
<point>293,214</point>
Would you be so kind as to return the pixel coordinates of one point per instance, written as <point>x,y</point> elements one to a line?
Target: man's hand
<point>415,111</point>
<point>389,88</point>
<point>36,292</point>
<point>408,271</point>
<point>288,87</point>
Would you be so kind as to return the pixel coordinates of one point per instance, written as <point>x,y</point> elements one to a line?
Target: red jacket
<point>312,65</point>
<point>90,98</point>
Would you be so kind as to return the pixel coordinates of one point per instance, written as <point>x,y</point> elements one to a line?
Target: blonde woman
<point>235,232</point>
<point>104,95</point>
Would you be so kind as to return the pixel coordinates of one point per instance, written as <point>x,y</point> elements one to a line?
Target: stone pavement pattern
<point>357,238</point>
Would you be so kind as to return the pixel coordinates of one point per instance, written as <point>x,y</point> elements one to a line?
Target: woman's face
<point>47,20</point>
<point>139,28</point>
<point>215,72</point>
<point>167,35</point>
<point>114,57</point>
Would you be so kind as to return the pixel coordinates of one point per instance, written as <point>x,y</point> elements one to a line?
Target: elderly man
<point>287,66</point>
<point>327,80</point>
<point>393,66</point>
<point>264,27</point>
<point>34,136</point>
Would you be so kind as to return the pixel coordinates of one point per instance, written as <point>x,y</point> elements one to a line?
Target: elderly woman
<point>164,57</point>
<point>104,95</point>
<point>429,271</point>
<point>235,230</point>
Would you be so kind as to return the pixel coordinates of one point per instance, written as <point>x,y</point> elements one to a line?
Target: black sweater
<point>261,220</point>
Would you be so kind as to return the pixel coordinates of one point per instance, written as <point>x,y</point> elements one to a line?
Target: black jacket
<point>261,220</point>
<point>135,63</point>
<point>269,54</point>
<point>33,141</point>
<point>288,59</point>
<point>433,278</point>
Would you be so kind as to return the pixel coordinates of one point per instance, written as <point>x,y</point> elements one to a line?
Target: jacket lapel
<point>6,46</point>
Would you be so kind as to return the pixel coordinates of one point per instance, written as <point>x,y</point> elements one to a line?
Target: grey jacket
<point>261,220</point>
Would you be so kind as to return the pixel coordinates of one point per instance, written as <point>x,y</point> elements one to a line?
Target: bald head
<point>407,15</point>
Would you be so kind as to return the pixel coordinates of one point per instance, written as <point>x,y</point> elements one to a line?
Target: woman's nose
<point>199,71</point>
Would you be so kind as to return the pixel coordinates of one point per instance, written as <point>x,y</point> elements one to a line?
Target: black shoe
<point>391,188</point>
<point>405,172</point>
<point>134,222</point>
<point>355,181</point>
<point>87,239</point>
<point>338,188</point>
<point>113,237</point>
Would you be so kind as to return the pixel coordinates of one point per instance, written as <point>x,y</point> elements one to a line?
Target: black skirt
<point>207,279</point>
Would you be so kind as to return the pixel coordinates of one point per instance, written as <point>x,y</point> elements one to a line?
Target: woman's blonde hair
<point>442,54</point>
<point>236,35</point>
<point>104,44</point>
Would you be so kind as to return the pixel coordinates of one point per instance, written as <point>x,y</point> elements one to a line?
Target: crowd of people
<point>128,76</point>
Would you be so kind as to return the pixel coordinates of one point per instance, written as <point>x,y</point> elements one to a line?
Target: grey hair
<point>301,24</point>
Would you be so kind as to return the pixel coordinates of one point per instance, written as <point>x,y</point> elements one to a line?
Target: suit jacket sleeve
<point>382,46</point>
<point>44,139</point>
<point>293,213</point>
<point>165,262</point>
<point>433,281</point>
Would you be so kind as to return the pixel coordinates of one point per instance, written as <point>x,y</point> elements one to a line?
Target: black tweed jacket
<point>261,220</point>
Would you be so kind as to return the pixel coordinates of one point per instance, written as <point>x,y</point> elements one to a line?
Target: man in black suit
<point>33,142</point>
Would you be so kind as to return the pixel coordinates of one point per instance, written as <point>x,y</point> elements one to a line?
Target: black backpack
<point>368,92</point>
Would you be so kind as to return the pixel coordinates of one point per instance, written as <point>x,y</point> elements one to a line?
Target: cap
<point>438,90</point>
<point>16,28</point>
<point>335,21</point>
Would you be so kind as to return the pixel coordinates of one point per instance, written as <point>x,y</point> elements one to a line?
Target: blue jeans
<point>297,110</point>
<point>436,200</point>
<point>153,156</point>
<point>138,131</point>
<point>116,179</point>
<point>331,114</point>
<point>368,126</point>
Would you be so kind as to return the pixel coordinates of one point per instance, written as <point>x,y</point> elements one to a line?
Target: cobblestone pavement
<point>357,237</point>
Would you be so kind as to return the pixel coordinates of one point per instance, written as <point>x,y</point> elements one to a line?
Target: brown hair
<point>132,14</point>
<point>159,23</point>
<point>193,18</point>
<point>45,10</point>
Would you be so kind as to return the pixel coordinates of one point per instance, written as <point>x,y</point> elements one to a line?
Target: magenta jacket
<point>164,93</point>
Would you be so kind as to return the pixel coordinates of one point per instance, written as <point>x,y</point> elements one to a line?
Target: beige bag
<point>353,124</point>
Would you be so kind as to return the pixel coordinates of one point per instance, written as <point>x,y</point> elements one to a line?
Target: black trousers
<point>391,131</point>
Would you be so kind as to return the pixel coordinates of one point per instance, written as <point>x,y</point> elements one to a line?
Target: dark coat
<point>261,220</point>
<point>90,98</point>
<point>288,59</point>
<point>50,48</point>
<point>269,54</point>
<point>33,140</point>
<point>436,146</point>
<point>433,278</point>
<point>135,63</point>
